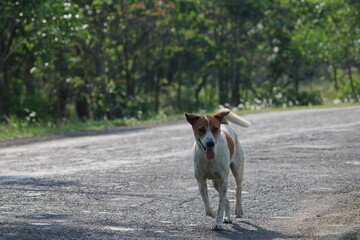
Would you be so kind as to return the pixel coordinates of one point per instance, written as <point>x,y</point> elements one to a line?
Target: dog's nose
<point>210,144</point>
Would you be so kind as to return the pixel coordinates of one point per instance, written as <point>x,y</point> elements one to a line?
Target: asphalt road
<point>302,181</point>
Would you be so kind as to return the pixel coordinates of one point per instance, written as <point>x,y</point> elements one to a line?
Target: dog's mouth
<point>210,154</point>
<point>209,151</point>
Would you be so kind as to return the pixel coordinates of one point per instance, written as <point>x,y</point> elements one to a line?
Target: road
<point>302,181</point>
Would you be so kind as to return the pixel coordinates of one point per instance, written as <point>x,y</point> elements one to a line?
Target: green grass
<point>16,128</point>
<point>297,108</point>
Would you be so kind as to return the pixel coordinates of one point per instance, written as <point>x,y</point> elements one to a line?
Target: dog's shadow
<point>248,230</point>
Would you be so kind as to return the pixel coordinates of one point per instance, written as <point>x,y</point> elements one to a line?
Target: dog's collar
<point>201,143</point>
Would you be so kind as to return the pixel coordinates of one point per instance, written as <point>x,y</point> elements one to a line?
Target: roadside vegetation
<point>74,65</point>
<point>15,127</point>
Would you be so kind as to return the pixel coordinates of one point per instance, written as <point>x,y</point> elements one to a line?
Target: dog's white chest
<point>212,169</point>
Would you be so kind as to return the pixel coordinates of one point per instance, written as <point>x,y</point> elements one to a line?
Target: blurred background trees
<point>92,59</point>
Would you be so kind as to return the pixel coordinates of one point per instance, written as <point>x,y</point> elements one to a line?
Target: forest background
<point>119,59</point>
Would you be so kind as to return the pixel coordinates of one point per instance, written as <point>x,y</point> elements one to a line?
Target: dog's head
<point>207,130</point>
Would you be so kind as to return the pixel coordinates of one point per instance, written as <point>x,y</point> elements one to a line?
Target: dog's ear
<point>191,118</point>
<point>220,115</point>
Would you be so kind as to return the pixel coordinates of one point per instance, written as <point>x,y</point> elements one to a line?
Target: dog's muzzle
<point>209,149</point>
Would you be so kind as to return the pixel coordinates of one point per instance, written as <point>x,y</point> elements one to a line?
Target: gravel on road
<point>302,181</point>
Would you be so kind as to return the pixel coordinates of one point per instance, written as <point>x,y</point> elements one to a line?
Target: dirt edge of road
<point>10,142</point>
<point>335,216</point>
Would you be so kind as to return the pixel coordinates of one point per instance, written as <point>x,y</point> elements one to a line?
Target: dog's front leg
<point>204,195</point>
<point>222,201</point>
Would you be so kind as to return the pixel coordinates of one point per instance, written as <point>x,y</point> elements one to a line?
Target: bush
<point>348,94</point>
<point>271,95</point>
<point>306,98</point>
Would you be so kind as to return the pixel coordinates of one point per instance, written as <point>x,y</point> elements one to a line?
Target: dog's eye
<point>202,130</point>
<point>215,129</point>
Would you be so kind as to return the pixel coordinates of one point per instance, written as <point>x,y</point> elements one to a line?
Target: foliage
<point>92,59</point>
<point>270,96</point>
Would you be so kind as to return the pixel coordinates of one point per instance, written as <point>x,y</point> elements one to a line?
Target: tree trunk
<point>179,105</point>
<point>61,91</point>
<point>27,75</point>
<point>353,91</point>
<point>82,107</point>
<point>296,81</point>
<point>128,79</point>
<point>335,78</point>
<point>235,88</point>
<point>157,90</point>
<point>130,91</point>
<point>223,88</point>
<point>198,89</point>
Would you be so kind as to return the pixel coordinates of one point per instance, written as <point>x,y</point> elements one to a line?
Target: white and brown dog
<point>216,151</point>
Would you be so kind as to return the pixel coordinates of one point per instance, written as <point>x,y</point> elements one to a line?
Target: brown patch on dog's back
<point>230,143</point>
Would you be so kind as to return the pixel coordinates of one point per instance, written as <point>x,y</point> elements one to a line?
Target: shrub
<point>272,95</point>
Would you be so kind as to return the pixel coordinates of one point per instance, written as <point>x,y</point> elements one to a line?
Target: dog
<point>217,150</point>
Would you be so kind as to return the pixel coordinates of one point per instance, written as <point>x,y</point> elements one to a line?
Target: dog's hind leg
<point>238,181</point>
<point>204,196</point>
<point>237,169</point>
<point>238,206</point>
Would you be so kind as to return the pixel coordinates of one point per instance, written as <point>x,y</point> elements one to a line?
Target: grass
<point>245,111</point>
<point>16,128</point>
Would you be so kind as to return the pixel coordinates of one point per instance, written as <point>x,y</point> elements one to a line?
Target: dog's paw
<point>239,213</point>
<point>227,220</point>
<point>211,213</point>
<point>217,227</point>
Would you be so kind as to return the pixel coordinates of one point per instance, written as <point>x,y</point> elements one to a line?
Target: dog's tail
<point>232,117</point>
